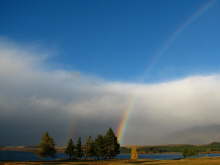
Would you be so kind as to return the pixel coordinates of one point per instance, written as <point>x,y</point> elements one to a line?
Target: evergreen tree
<point>70,149</point>
<point>47,146</point>
<point>100,147</point>
<point>89,147</point>
<point>112,147</point>
<point>79,151</point>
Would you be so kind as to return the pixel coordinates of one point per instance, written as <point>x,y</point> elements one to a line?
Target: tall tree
<point>47,146</point>
<point>100,147</point>
<point>89,147</point>
<point>112,147</point>
<point>79,151</point>
<point>70,149</point>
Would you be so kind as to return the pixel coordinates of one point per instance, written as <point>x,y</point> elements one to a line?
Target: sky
<point>73,67</point>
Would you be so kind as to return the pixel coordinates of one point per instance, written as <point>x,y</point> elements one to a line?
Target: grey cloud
<point>34,99</point>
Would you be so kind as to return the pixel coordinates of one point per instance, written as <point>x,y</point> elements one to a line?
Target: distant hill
<point>197,135</point>
<point>207,148</point>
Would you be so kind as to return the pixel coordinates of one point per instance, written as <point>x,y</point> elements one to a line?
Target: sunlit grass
<point>197,161</point>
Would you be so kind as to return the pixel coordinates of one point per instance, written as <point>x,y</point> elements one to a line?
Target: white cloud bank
<point>34,99</point>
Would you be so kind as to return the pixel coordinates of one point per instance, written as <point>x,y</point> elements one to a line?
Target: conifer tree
<point>112,147</point>
<point>100,147</point>
<point>89,147</point>
<point>70,149</point>
<point>47,146</point>
<point>79,151</point>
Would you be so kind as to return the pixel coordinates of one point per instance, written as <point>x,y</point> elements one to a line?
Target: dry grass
<point>198,161</point>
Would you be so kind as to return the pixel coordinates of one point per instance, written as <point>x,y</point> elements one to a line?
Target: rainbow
<point>125,117</point>
<point>123,124</point>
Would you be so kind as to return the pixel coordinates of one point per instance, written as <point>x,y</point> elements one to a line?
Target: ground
<point>197,161</point>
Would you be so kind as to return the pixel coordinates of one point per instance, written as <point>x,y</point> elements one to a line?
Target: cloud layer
<point>35,99</point>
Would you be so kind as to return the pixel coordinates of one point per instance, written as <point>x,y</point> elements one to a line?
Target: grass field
<point>197,161</point>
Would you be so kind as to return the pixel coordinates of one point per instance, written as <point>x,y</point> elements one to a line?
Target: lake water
<point>28,156</point>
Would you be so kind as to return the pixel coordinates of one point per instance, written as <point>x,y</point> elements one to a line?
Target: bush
<point>189,152</point>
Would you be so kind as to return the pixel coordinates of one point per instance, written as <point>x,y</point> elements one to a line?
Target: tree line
<point>212,147</point>
<point>102,147</point>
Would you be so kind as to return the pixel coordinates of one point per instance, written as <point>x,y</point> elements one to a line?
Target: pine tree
<point>70,149</point>
<point>89,147</point>
<point>112,147</point>
<point>100,147</point>
<point>47,146</point>
<point>79,151</point>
